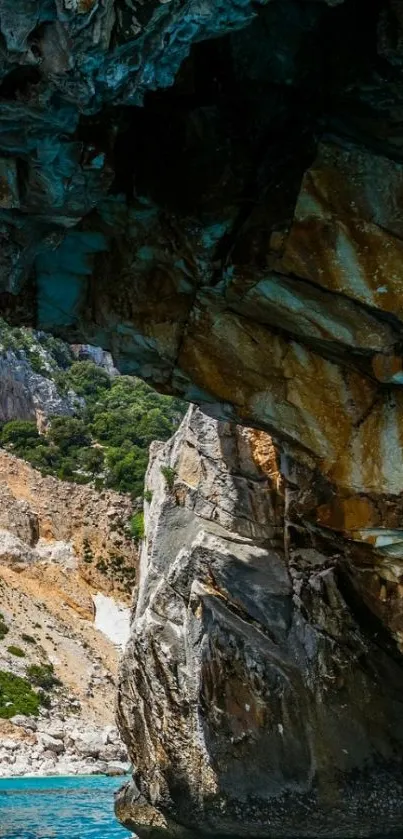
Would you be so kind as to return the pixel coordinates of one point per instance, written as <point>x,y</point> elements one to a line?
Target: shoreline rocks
<point>39,748</point>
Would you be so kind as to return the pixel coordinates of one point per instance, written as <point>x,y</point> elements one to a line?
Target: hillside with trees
<point>106,441</point>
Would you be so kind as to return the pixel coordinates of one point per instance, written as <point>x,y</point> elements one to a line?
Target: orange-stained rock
<point>348,514</point>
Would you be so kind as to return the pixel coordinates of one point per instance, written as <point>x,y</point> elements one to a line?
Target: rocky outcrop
<point>257,695</point>
<point>51,514</point>
<point>235,240</point>
<point>213,193</point>
<point>59,747</point>
<point>26,394</point>
<point>86,352</point>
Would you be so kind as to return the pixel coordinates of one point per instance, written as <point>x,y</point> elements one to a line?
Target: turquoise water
<point>59,808</point>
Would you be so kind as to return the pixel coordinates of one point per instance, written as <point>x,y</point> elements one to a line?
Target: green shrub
<point>87,379</point>
<point>19,434</point>
<point>44,699</point>
<point>67,433</point>
<point>37,364</point>
<point>88,556</point>
<point>28,638</point>
<point>60,352</point>
<point>3,627</point>
<point>17,696</point>
<point>91,460</point>
<point>148,496</point>
<point>137,527</point>
<point>169,475</point>
<point>102,566</point>
<point>17,651</point>
<point>42,676</point>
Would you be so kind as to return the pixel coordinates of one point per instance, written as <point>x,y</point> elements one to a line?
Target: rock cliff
<point>46,512</point>
<point>29,395</point>
<point>255,698</point>
<point>213,192</point>
<point>67,566</point>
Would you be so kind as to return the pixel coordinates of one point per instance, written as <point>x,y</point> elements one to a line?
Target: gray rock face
<point>25,394</point>
<point>252,699</point>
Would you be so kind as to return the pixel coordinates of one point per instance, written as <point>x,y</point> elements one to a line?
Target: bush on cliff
<point>17,651</point>
<point>87,380</point>
<point>42,676</point>
<point>137,527</point>
<point>17,696</point>
<point>19,435</point>
<point>3,628</point>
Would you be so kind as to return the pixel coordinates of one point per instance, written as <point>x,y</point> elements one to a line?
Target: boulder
<point>51,744</point>
<point>24,722</point>
<point>88,744</point>
<point>56,730</point>
<point>113,751</point>
<point>15,552</point>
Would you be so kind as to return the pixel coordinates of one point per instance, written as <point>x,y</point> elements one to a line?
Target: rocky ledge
<point>59,747</point>
<point>258,697</point>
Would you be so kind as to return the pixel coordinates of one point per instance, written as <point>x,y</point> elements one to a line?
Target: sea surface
<point>59,808</point>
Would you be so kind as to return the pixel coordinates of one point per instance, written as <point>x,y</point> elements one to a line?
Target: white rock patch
<point>112,619</point>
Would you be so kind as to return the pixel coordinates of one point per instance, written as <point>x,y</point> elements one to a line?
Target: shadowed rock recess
<point>214,192</point>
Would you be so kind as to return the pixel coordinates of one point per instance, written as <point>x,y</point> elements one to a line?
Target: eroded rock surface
<point>63,521</point>
<point>214,194</point>
<point>255,698</point>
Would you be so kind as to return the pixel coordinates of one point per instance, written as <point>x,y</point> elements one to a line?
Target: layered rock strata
<point>214,194</point>
<point>258,694</point>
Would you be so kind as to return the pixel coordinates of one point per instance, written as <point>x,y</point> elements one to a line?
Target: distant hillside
<point>77,419</point>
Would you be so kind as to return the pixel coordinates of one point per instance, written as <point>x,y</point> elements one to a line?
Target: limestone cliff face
<point>38,508</point>
<point>255,698</point>
<point>25,394</point>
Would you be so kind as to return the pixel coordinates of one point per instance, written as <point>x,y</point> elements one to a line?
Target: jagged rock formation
<point>252,260</point>
<point>254,699</point>
<point>213,193</point>
<point>26,394</point>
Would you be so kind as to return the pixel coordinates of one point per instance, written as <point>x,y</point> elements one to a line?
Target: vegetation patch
<point>107,441</point>
<point>88,556</point>
<point>42,676</point>
<point>17,651</point>
<point>28,638</point>
<point>17,696</point>
<point>3,627</point>
<point>169,475</point>
<point>137,527</point>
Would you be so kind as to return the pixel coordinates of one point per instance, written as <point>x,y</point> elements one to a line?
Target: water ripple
<point>66,808</point>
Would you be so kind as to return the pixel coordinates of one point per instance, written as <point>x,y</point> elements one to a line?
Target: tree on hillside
<point>127,469</point>
<point>19,434</point>
<point>68,433</point>
<point>87,379</point>
<point>91,460</point>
